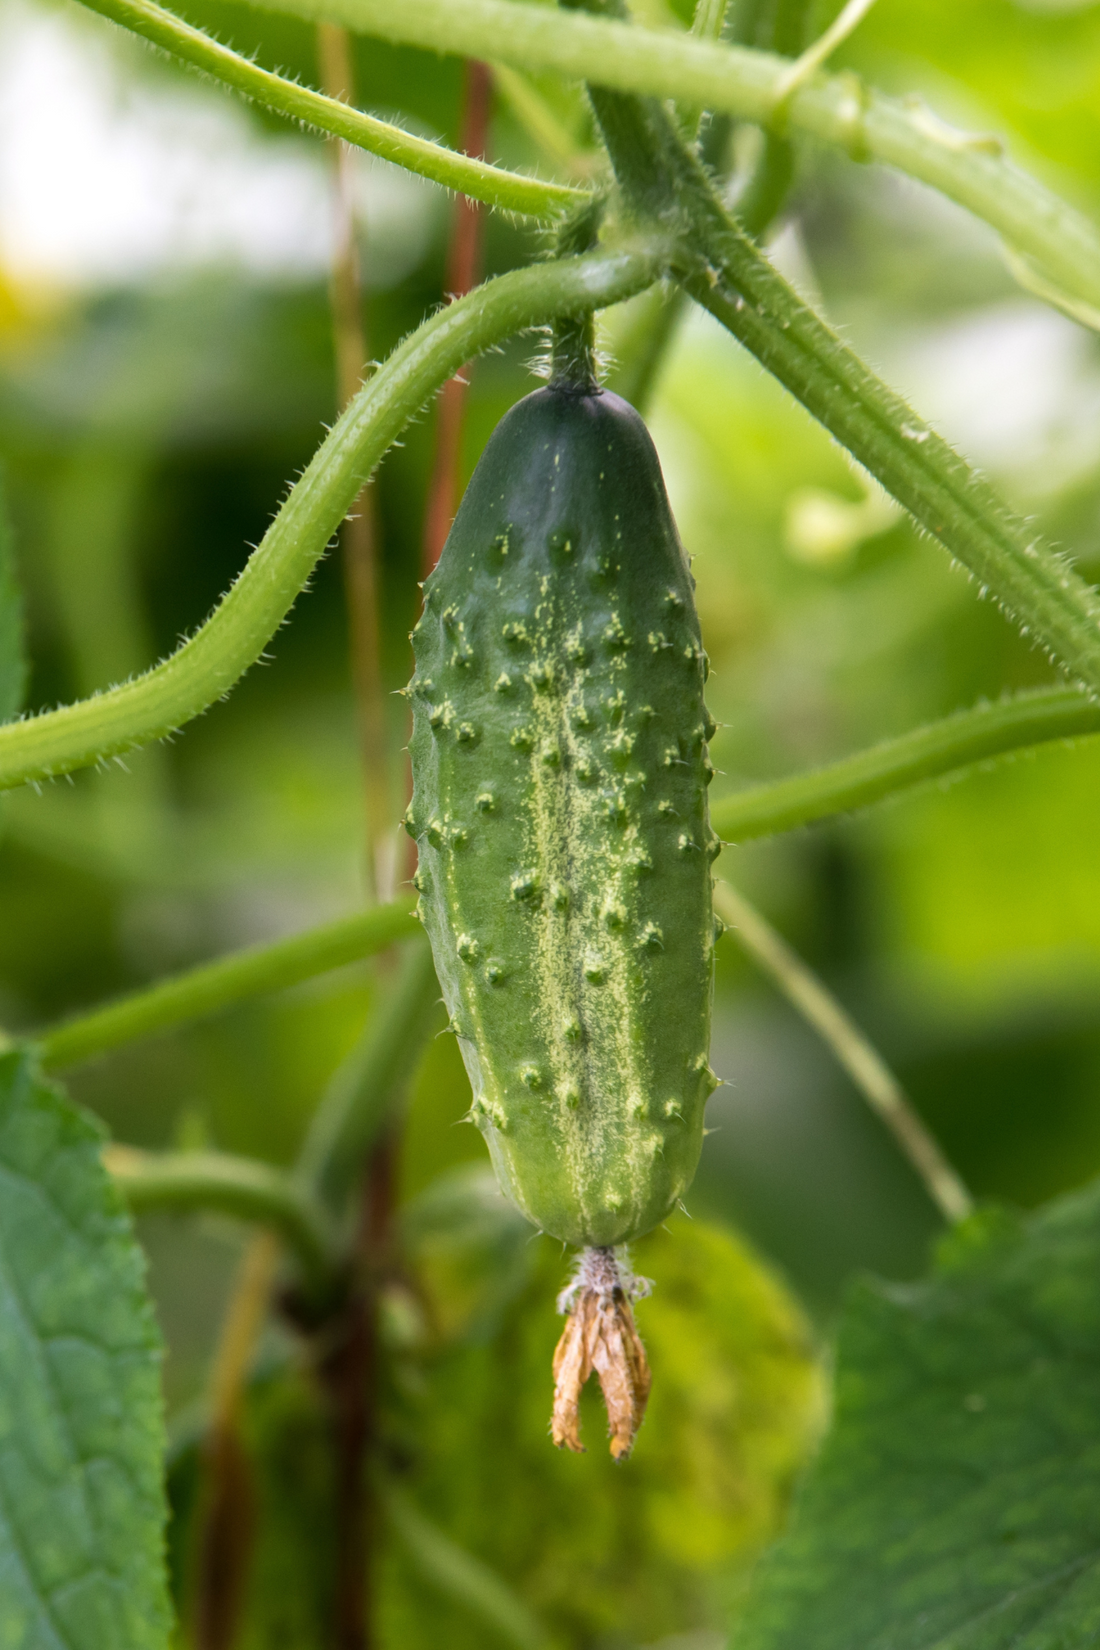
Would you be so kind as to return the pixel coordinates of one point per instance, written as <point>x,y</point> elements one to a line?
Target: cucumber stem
<point>573,355</point>
<point>573,337</point>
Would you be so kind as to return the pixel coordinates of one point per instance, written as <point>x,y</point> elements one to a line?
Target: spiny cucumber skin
<point>560,768</point>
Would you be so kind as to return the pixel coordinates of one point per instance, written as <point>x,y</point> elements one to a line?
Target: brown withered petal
<point>600,1336</point>
<point>571,1369</point>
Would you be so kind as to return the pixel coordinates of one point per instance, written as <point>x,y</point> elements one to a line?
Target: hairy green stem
<point>476,178</point>
<point>1037,587</point>
<point>238,1186</point>
<point>573,337</point>
<point>837,109</point>
<point>950,747</point>
<point>206,666</point>
<point>232,979</point>
<point>726,273</point>
<point>641,349</point>
<point>365,1090</point>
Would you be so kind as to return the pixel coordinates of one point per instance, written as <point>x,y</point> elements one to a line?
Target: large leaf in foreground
<point>956,1503</point>
<point>81,1502</point>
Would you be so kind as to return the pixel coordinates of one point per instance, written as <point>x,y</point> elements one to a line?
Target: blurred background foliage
<point>165,367</point>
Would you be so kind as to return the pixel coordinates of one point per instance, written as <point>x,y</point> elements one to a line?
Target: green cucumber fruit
<point>560,770</point>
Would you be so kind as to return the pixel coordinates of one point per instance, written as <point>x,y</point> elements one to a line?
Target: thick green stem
<point>231,979</point>
<point>728,275</point>
<point>367,1087</point>
<point>468,176</point>
<point>837,109</point>
<point>642,351</point>
<point>239,1186</point>
<point>1037,587</point>
<point>952,746</point>
<point>573,355</point>
<point>206,666</point>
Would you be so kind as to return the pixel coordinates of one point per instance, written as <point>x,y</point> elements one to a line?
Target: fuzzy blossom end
<point>600,1336</point>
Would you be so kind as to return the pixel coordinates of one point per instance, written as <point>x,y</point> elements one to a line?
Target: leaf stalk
<point>852,1049</point>
<point>948,748</point>
<point>232,979</point>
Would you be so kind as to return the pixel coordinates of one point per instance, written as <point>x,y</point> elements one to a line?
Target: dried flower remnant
<point>600,1336</point>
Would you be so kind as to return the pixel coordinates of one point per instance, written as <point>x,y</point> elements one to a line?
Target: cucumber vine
<point>655,219</point>
<point>670,223</point>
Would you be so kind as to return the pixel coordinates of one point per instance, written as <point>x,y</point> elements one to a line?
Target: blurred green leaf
<point>12,661</point>
<point>957,1500</point>
<point>81,1433</point>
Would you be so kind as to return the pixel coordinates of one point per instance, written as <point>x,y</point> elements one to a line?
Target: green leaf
<point>12,663</point>
<point>81,1432</point>
<point>956,1503</point>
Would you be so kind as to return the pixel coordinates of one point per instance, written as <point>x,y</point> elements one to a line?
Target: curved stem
<point>944,495</point>
<point>239,1186</point>
<point>837,109</point>
<point>231,979</point>
<point>859,1058</point>
<point>952,746</point>
<point>469,176</point>
<point>206,666</point>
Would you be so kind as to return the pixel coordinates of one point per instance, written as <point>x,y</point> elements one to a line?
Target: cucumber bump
<point>560,770</point>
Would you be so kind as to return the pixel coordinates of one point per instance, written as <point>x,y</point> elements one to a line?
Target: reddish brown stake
<point>600,1336</point>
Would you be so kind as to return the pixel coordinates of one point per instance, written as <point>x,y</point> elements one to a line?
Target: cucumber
<point>560,768</point>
